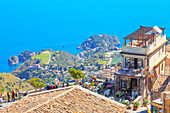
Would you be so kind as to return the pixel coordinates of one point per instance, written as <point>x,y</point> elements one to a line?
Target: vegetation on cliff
<point>63,59</point>
<point>100,41</point>
<point>23,56</point>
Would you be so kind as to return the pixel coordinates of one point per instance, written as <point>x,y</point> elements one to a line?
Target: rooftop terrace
<point>144,40</point>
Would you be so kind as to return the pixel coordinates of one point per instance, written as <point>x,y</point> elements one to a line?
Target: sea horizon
<point>36,25</point>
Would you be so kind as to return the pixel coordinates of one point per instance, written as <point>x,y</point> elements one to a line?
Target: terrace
<point>131,67</point>
<point>144,40</point>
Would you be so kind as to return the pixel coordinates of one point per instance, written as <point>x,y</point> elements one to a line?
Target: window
<point>163,48</point>
<point>162,66</point>
<point>140,62</point>
<point>159,51</point>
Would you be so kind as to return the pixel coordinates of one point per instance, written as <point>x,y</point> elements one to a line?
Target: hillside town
<point>131,79</point>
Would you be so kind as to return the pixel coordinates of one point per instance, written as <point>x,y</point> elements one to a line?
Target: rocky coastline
<point>13,60</point>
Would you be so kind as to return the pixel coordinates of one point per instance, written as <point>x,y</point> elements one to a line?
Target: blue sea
<point>49,24</point>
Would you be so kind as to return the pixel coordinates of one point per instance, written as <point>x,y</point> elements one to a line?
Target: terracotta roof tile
<point>162,83</point>
<point>78,101</point>
<point>68,101</point>
<point>29,102</point>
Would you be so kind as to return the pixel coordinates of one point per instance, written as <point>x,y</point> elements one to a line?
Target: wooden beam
<point>157,105</point>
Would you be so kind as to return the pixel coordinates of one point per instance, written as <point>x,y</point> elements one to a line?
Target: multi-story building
<point>143,59</point>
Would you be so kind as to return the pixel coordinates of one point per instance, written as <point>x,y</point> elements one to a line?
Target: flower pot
<point>135,108</point>
<point>145,105</point>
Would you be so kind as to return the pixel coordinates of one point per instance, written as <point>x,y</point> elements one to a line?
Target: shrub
<point>136,104</point>
<point>145,102</point>
<point>125,102</point>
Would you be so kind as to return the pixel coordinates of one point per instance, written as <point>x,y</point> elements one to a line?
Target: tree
<point>36,82</point>
<point>2,88</point>
<point>76,74</point>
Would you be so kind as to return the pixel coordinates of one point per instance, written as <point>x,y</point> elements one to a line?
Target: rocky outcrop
<point>99,41</point>
<point>13,60</point>
<point>23,56</point>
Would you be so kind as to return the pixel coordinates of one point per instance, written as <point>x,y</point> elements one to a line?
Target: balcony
<point>126,71</point>
<point>134,49</point>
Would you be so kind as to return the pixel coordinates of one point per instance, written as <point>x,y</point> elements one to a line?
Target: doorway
<point>135,63</point>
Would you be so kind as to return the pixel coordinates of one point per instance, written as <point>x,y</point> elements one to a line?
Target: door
<point>135,63</point>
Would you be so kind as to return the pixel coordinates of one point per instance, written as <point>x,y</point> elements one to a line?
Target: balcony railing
<point>133,49</point>
<point>128,71</point>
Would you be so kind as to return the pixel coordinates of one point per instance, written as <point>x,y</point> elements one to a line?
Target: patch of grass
<point>51,61</point>
<point>110,52</point>
<point>116,60</point>
<point>102,62</point>
<point>43,56</point>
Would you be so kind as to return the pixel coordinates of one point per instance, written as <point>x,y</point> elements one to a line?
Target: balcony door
<point>135,63</point>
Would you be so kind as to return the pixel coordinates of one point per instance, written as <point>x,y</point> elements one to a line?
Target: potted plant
<point>136,105</point>
<point>126,103</point>
<point>145,102</point>
<point>123,102</point>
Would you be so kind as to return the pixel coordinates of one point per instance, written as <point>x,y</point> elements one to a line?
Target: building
<point>143,60</point>
<point>162,105</point>
<point>73,99</point>
<point>160,88</point>
<point>35,66</point>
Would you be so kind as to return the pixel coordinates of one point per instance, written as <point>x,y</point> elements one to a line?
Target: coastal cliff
<point>23,56</point>
<point>100,41</point>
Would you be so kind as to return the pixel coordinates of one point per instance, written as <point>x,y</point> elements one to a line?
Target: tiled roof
<point>29,102</point>
<point>74,100</point>
<point>162,83</point>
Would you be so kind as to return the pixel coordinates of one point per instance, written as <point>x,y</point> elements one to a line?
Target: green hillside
<point>8,81</point>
